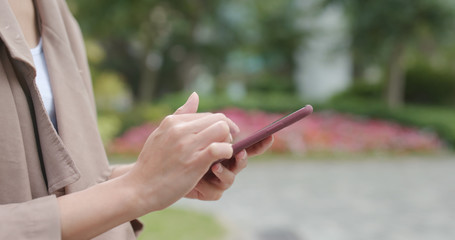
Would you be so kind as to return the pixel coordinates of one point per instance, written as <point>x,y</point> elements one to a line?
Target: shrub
<point>427,85</point>
<point>363,89</point>
<point>144,113</point>
<point>109,126</point>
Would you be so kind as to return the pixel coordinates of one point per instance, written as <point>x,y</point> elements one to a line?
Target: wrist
<point>119,170</point>
<point>88,213</point>
<point>142,200</point>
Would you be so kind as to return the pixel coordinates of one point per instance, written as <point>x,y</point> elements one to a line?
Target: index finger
<point>197,121</point>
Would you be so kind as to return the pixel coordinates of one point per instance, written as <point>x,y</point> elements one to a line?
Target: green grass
<point>179,224</point>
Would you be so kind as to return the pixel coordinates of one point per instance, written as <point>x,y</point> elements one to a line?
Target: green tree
<point>142,37</point>
<point>159,45</point>
<point>384,31</point>
<point>266,38</point>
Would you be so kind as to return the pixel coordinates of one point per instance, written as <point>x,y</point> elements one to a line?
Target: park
<point>374,160</point>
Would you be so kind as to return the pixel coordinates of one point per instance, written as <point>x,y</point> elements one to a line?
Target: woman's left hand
<point>222,175</point>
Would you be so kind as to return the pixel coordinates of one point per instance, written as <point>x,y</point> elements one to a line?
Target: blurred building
<point>324,62</point>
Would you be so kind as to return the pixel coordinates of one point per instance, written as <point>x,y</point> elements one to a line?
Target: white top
<point>42,81</point>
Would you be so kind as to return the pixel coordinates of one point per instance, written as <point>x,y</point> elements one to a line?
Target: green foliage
<point>378,25</point>
<point>156,47</point>
<point>161,46</point>
<point>178,224</point>
<point>109,126</point>
<point>271,83</point>
<point>95,52</point>
<point>271,102</point>
<point>111,92</point>
<point>112,123</point>
<point>363,89</point>
<point>384,32</point>
<point>144,112</point>
<point>427,85</point>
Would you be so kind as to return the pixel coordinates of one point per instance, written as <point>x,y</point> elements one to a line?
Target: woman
<point>55,181</point>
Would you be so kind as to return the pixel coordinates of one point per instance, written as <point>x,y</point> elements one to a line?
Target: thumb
<point>190,106</point>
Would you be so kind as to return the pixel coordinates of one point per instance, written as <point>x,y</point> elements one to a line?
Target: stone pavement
<point>410,199</point>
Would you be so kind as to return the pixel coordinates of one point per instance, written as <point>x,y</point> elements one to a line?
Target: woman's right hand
<point>173,160</point>
<point>178,154</point>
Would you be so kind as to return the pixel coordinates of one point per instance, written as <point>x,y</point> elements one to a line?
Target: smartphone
<point>270,129</point>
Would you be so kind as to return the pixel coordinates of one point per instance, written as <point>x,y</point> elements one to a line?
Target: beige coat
<point>37,164</point>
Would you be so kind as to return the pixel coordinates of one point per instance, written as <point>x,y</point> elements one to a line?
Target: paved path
<point>412,199</point>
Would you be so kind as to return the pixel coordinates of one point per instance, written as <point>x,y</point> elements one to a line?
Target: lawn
<point>180,224</point>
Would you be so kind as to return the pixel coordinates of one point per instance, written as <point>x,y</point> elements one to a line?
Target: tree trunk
<point>396,78</point>
<point>147,85</point>
<point>358,67</point>
<point>149,75</point>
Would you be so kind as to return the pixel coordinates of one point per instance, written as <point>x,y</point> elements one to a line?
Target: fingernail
<point>237,129</point>
<point>242,155</point>
<point>189,98</point>
<point>219,168</point>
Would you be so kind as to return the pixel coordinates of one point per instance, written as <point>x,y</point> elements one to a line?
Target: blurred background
<point>374,161</point>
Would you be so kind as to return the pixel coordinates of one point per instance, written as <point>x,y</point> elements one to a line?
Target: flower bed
<point>321,132</point>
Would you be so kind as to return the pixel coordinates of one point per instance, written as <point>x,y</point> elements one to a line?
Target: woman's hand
<point>174,162</point>
<point>178,154</point>
<point>221,177</point>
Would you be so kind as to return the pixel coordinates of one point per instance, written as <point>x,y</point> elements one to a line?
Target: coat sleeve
<point>36,219</point>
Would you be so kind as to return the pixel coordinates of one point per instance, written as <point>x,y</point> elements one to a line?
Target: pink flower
<point>321,132</point>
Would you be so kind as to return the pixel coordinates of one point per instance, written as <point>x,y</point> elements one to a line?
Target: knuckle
<point>217,195</point>
<point>224,127</point>
<point>228,182</point>
<point>168,120</point>
<point>178,128</point>
<point>219,115</point>
<point>218,150</point>
<point>229,139</point>
<point>244,163</point>
<point>212,150</point>
<point>174,130</point>
<point>241,164</point>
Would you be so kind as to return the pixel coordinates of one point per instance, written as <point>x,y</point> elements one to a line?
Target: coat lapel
<point>59,167</point>
<point>71,87</point>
